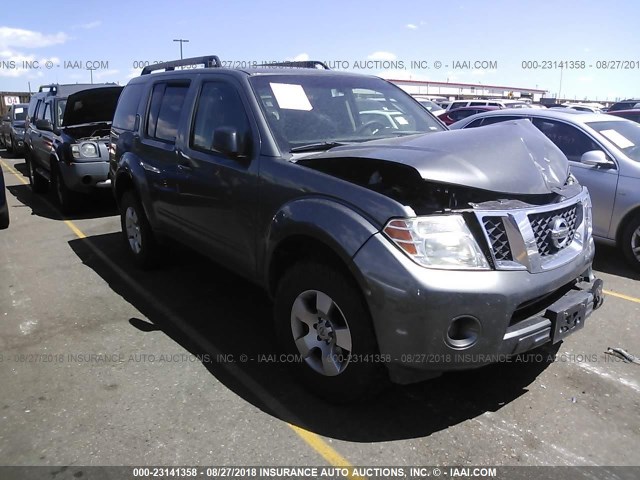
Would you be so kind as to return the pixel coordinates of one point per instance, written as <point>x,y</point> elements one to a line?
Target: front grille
<point>498,238</point>
<point>543,223</point>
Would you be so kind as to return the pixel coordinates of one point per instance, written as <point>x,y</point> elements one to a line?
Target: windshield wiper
<point>317,146</point>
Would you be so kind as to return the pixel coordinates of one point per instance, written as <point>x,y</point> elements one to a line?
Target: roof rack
<point>209,61</point>
<point>52,87</point>
<point>298,64</point>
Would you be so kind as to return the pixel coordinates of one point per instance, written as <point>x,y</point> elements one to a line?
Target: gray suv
<point>390,251</point>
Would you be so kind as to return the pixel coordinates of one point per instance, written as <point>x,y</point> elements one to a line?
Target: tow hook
<point>598,294</point>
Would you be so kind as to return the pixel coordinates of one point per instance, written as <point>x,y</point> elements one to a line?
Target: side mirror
<point>44,125</point>
<point>596,158</point>
<point>227,141</point>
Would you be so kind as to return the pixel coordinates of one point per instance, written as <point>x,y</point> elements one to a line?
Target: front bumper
<point>509,311</point>
<point>86,176</point>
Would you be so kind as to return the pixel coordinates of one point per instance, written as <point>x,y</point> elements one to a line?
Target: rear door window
<point>567,138</point>
<point>167,101</point>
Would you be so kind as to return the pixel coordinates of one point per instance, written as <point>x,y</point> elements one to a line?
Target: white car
<point>487,103</point>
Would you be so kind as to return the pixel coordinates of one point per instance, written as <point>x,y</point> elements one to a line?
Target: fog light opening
<point>86,179</point>
<point>463,332</point>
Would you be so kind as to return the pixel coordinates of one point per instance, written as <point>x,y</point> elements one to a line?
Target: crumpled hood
<point>91,105</point>
<point>509,157</point>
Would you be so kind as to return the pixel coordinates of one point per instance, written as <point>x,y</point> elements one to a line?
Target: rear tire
<point>322,318</point>
<point>630,242</point>
<point>138,236</point>
<point>38,183</point>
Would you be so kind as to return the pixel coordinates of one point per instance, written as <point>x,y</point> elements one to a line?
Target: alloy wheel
<point>321,333</point>
<point>132,226</point>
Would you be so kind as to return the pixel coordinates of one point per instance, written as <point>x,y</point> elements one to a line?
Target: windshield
<point>326,109</point>
<point>623,134</point>
<point>19,113</point>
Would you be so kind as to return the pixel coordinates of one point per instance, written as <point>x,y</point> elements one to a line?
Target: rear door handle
<point>185,163</point>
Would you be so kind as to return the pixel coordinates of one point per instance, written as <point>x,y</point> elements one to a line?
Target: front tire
<point>630,242</point>
<point>137,233</point>
<point>322,319</point>
<point>67,199</point>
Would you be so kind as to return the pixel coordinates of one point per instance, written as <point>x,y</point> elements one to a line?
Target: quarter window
<point>125,116</point>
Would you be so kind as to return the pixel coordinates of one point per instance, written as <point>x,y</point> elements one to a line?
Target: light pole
<point>181,40</point>
<point>91,72</point>
<point>560,88</point>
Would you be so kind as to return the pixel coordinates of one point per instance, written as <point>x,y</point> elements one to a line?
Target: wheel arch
<point>315,229</point>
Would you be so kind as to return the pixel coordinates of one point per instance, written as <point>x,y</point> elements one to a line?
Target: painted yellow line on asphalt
<point>622,295</point>
<point>75,229</point>
<point>319,445</point>
<point>313,440</point>
<point>15,173</point>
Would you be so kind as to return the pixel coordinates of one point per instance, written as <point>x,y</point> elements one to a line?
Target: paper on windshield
<point>616,137</point>
<point>18,110</point>
<point>291,97</point>
<point>401,120</point>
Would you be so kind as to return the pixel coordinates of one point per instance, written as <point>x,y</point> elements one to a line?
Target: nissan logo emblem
<point>560,232</point>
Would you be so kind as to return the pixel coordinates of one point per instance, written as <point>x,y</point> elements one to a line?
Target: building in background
<point>458,91</point>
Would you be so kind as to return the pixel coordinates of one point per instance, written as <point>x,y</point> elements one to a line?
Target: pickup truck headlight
<point>442,241</point>
<point>84,150</point>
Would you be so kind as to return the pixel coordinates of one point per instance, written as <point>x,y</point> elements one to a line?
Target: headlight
<point>442,241</point>
<point>87,150</point>
<point>588,216</point>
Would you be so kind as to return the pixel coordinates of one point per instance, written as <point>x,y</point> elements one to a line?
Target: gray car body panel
<point>626,189</point>
<point>471,158</point>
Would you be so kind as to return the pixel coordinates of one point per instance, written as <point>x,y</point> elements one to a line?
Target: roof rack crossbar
<point>298,64</point>
<point>209,61</point>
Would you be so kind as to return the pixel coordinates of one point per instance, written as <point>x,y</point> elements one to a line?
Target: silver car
<point>604,154</point>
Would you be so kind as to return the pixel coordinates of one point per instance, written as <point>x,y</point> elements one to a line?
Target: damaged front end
<point>514,207</point>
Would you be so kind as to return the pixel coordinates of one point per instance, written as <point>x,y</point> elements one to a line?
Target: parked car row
<point>12,129</point>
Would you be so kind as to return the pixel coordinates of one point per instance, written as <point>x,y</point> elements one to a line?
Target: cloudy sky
<point>402,40</point>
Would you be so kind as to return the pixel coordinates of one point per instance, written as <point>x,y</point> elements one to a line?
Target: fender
<point>130,170</point>
<point>334,224</point>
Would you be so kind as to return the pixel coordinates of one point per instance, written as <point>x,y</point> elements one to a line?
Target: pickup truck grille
<point>498,238</point>
<point>543,223</point>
